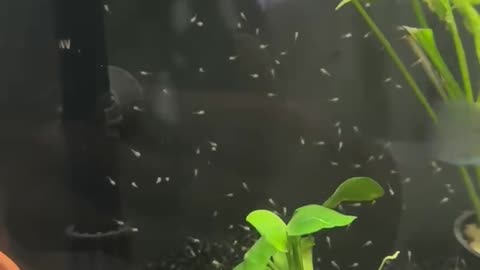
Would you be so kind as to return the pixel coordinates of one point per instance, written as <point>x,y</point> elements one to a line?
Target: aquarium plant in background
<point>289,246</point>
<point>456,121</point>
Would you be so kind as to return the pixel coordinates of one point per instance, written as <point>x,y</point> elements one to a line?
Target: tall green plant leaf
<point>425,38</point>
<point>428,68</point>
<point>444,10</point>
<point>355,189</point>
<point>471,20</point>
<point>313,218</point>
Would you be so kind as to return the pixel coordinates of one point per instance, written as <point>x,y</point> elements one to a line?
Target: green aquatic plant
<point>422,42</point>
<point>388,258</point>
<point>288,246</point>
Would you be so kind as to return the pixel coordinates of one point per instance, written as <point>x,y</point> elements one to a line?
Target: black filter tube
<point>97,241</point>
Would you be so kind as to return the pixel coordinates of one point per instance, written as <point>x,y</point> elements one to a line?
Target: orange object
<point>6,263</point>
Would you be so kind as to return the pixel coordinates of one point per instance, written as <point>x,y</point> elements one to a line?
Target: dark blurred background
<point>237,91</point>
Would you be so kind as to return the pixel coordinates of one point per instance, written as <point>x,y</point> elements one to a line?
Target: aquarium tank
<point>240,135</point>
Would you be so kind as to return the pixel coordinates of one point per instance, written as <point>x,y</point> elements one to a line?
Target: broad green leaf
<point>355,189</point>
<point>425,38</point>
<point>271,227</point>
<point>312,218</point>
<point>258,256</point>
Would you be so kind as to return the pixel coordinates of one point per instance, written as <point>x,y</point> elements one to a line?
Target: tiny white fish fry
<point>263,46</point>
<point>193,19</point>
<point>335,99</point>
<point>272,202</point>
<point>444,200</point>
<point>368,243</point>
<point>200,112</point>
<point>390,190</point>
<point>243,16</point>
<point>245,186</point>
<point>145,73</point>
<point>111,181</point>
<point>325,72</point>
<point>136,153</point>
<point>119,222</point>
<point>302,140</point>
<point>335,264</point>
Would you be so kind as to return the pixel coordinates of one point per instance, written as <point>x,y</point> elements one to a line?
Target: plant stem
<point>417,8</point>
<point>396,59</point>
<point>462,58</point>
<point>472,194</point>
<point>388,258</point>
<point>477,171</point>
<point>295,261</point>
<point>272,266</point>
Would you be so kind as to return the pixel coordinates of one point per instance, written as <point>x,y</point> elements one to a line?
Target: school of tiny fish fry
<point>193,247</point>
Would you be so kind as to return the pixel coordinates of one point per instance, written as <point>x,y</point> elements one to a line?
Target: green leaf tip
<point>271,227</point>
<point>343,3</point>
<point>313,218</point>
<point>355,189</point>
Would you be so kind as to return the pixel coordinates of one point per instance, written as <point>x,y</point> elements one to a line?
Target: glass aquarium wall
<point>239,134</point>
